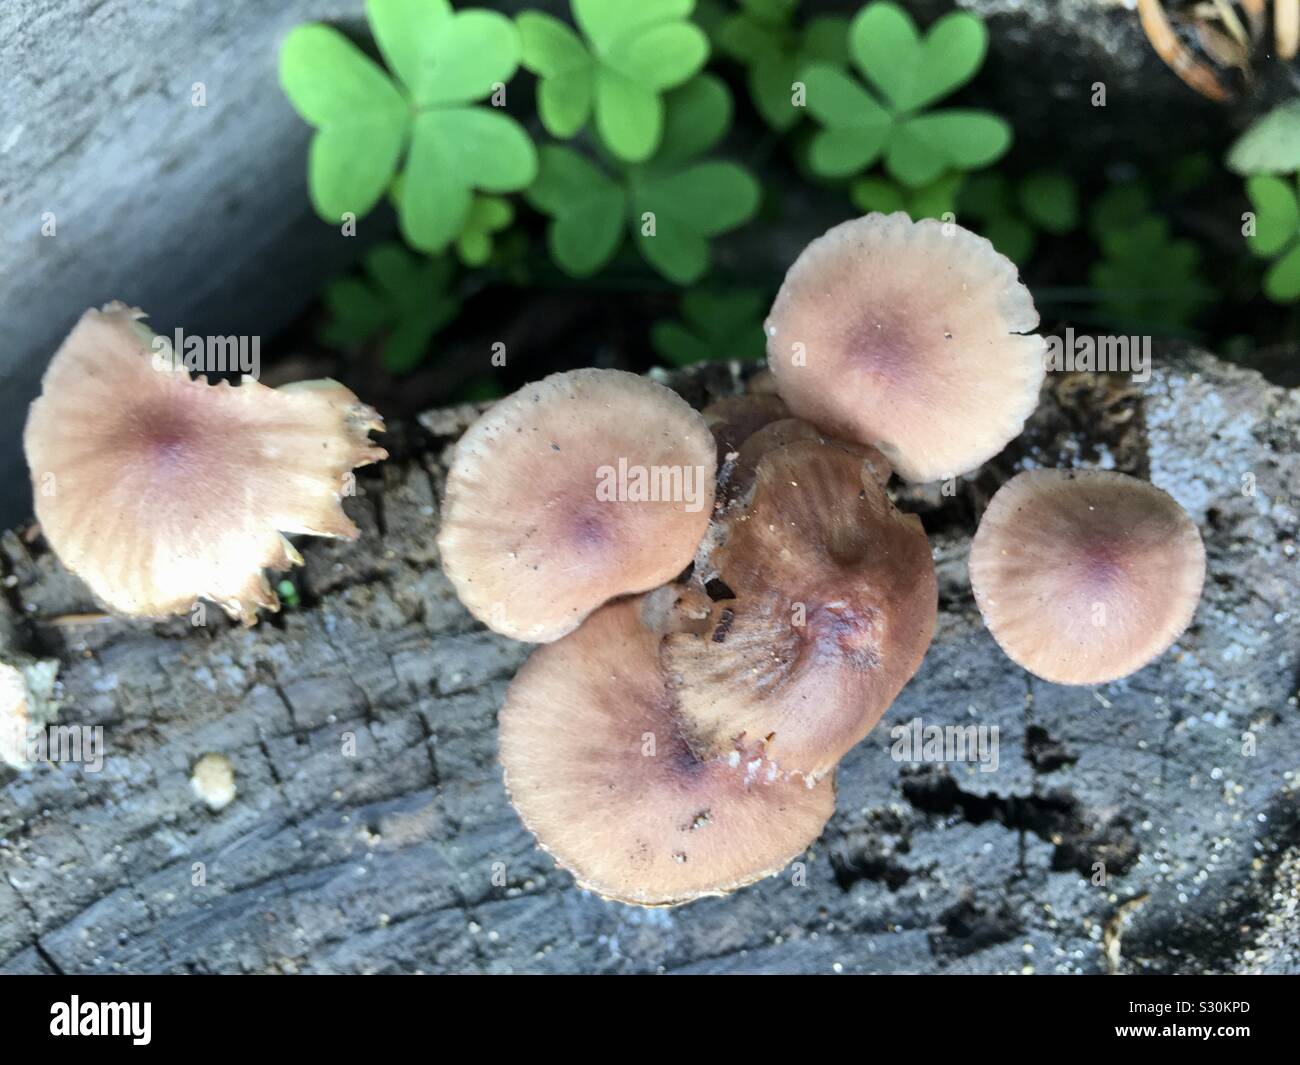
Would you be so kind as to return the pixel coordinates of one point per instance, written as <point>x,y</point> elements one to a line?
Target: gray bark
<point>385,861</point>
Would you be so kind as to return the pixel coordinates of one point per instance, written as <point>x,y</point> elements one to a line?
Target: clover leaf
<point>632,54</point>
<point>763,37</point>
<point>672,204</point>
<point>909,72</point>
<point>488,216</point>
<point>715,325</point>
<point>1147,277</point>
<point>366,122</point>
<point>1011,215</point>
<point>1271,145</point>
<point>931,201</point>
<point>403,297</point>
<point>1277,233</point>
<point>1050,199</point>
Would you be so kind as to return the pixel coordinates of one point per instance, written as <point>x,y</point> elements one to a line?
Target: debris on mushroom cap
<point>907,336</point>
<point>597,767</point>
<point>1085,576</point>
<point>26,703</point>
<point>578,488</point>
<point>157,489</point>
<point>829,607</point>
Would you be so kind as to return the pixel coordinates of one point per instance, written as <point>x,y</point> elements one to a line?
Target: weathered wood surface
<point>385,861</point>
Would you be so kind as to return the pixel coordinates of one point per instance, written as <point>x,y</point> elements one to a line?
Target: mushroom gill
<point>829,605</point>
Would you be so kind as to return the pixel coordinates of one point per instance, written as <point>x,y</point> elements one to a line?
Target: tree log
<point>371,831</point>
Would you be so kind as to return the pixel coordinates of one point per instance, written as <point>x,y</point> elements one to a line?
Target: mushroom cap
<point>540,524</point>
<point>157,489</point>
<point>906,336</point>
<point>834,605</point>
<point>1084,576</point>
<point>596,764</point>
<point>780,433</point>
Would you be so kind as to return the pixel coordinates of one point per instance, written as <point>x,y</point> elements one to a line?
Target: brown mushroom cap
<point>1085,576</point>
<point>906,336</point>
<point>596,764</point>
<point>834,604</point>
<point>538,526</point>
<point>157,489</point>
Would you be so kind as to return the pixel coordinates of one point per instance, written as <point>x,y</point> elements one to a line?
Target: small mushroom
<point>907,336</point>
<point>829,607</point>
<point>581,487</point>
<point>1085,576</point>
<point>597,766</point>
<point>157,489</point>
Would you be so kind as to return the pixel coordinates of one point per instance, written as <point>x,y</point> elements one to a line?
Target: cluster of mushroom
<point>729,601</point>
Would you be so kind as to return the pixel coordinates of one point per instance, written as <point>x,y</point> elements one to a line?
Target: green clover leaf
<point>931,201</point>
<point>1277,214</point>
<point>488,216</point>
<point>673,204</point>
<point>989,199</point>
<point>404,297</point>
<point>360,117</point>
<point>715,325</point>
<point>632,54</point>
<point>909,72</point>
<point>445,62</point>
<point>763,37</point>
<point>1271,145</point>
<point>1050,200</point>
<point>1148,279</point>
<point>1277,225</point>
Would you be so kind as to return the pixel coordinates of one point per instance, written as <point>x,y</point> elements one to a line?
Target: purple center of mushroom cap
<point>166,440</point>
<point>883,344</point>
<point>1100,565</point>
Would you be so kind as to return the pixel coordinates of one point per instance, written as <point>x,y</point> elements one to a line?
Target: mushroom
<point>907,336</point>
<point>1085,576</point>
<point>829,605</point>
<point>578,488</point>
<point>157,489</point>
<point>598,767</point>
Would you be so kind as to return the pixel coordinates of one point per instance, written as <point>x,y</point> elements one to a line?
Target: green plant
<point>1146,277</point>
<point>909,72</point>
<point>403,297</point>
<point>714,325</point>
<point>764,37</point>
<point>672,204</point>
<point>631,54</point>
<point>1271,145</point>
<point>426,122</point>
<point>1276,234</point>
<point>1011,216</point>
<point>930,201</point>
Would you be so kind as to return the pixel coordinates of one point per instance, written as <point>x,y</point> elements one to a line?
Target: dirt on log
<point>1150,825</point>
